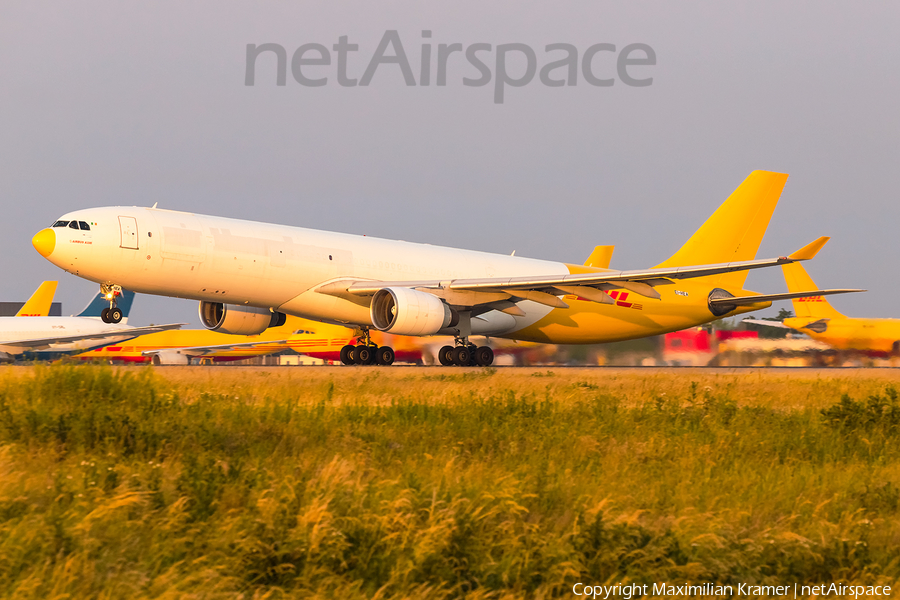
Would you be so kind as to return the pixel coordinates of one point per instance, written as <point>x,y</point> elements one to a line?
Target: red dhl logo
<point>621,297</point>
<point>811,299</point>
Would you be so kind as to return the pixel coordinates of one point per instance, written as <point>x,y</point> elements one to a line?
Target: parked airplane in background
<point>184,345</point>
<point>309,338</point>
<point>246,274</point>
<point>39,303</point>
<point>69,334</point>
<point>819,320</point>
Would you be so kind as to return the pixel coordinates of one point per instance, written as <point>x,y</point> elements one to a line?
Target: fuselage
<point>871,336</point>
<point>279,267</point>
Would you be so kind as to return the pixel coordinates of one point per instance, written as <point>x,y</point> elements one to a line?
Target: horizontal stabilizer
<point>745,300</point>
<point>764,323</point>
<point>797,280</point>
<point>810,250</point>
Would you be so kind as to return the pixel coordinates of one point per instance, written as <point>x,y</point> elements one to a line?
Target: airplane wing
<point>205,350</point>
<point>545,289</point>
<point>124,334</point>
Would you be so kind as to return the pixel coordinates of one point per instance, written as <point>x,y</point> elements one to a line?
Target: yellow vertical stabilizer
<point>798,280</point>
<point>735,230</point>
<point>39,303</point>
<point>600,257</point>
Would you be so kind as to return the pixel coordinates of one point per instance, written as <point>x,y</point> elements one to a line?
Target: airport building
<point>9,309</point>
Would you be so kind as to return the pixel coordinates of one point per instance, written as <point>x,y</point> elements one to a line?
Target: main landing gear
<point>365,352</point>
<point>113,314</point>
<point>465,354</point>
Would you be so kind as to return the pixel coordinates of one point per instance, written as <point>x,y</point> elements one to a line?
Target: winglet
<point>810,250</point>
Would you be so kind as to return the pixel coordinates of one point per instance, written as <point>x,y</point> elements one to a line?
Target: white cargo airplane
<point>246,275</point>
<point>70,334</point>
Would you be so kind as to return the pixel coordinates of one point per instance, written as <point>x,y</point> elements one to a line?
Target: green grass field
<point>440,483</point>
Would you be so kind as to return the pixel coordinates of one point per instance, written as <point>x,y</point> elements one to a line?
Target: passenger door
<point>128,231</point>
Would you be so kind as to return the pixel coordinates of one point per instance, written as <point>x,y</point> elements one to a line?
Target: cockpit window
<point>73,225</point>
<point>84,226</point>
<point>60,223</point>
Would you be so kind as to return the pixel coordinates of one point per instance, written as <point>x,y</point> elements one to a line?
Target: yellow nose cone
<point>44,241</point>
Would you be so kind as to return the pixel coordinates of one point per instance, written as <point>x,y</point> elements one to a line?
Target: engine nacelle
<point>170,357</point>
<point>405,311</point>
<point>239,320</point>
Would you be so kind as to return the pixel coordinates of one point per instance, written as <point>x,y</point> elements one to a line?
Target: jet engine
<point>405,311</point>
<point>170,357</point>
<point>240,320</point>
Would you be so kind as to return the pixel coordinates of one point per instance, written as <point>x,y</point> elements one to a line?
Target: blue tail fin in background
<point>99,303</point>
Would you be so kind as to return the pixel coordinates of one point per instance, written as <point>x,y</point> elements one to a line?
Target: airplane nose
<point>44,241</point>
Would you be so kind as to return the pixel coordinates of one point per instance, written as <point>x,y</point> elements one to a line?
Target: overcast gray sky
<point>131,103</point>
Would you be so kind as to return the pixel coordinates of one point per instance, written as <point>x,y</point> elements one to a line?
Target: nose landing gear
<point>366,352</point>
<point>111,293</point>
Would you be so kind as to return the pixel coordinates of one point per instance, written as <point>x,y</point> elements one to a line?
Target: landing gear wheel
<point>445,355</point>
<point>354,355</point>
<point>111,293</point>
<point>461,356</point>
<point>484,356</point>
<point>365,355</point>
<point>384,356</point>
<point>345,355</point>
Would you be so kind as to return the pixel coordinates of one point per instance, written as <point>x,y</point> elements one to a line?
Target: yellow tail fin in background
<point>735,230</point>
<point>798,280</point>
<point>600,257</point>
<point>39,303</point>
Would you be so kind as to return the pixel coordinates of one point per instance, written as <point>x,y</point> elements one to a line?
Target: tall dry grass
<point>439,483</point>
